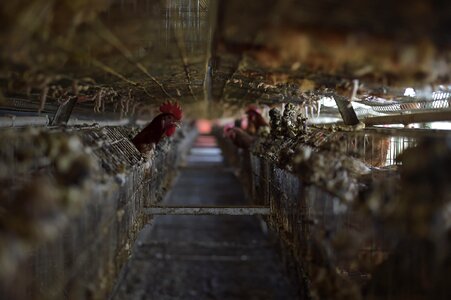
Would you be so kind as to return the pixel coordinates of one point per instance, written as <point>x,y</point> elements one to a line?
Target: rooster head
<point>172,117</point>
<point>229,132</point>
<point>252,110</point>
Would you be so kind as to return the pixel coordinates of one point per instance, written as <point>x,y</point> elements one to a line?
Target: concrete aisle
<point>204,257</point>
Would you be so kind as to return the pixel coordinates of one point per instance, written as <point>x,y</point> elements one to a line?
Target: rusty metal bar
<point>408,132</point>
<point>208,210</point>
<point>409,118</point>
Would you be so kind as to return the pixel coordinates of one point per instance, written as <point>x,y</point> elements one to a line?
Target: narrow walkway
<point>205,257</point>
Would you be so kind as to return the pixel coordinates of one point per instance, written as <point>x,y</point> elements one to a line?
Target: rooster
<point>254,120</point>
<point>163,124</point>
<point>239,137</point>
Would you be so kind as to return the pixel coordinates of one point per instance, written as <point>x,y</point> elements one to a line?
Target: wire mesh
<point>417,106</point>
<point>340,242</point>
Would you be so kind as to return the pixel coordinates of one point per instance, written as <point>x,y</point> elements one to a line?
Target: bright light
<point>409,92</point>
<point>328,102</point>
<point>204,126</point>
<point>441,125</point>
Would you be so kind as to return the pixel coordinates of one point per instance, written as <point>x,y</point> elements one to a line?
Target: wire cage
<point>339,248</point>
<point>70,194</point>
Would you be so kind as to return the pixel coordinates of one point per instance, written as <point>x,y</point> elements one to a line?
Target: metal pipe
<point>409,118</point>
<point>408,132</point>
<point>208,210</point>
<point>101,123</point>
<point>20,121</point>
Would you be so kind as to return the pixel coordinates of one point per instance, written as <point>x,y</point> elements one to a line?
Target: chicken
<point>163,124</point>
<point>239,137</point>
<point>254,120</point>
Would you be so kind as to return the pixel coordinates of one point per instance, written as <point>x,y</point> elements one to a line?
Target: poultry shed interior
<point>225,149</point>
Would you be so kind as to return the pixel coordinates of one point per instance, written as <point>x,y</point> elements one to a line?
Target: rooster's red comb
<point>172,108</point>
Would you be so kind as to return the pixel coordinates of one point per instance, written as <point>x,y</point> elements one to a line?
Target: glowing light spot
<point>409,92</point>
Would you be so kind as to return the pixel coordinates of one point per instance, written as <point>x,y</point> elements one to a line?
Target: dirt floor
<point>205,257</point>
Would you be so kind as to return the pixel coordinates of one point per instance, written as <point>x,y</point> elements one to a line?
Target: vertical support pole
<point>64,111</point>
<point>346,110</point>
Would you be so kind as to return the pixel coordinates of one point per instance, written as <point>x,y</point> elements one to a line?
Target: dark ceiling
<point>123,57</point>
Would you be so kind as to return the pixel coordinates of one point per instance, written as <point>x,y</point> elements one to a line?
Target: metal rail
<point>208,210</point>
<point>409,118</point>
<point>21,121</point>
